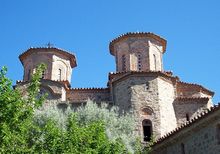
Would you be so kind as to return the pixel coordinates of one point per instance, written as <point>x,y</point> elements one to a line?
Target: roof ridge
<point>198,85</point>
<point>149,34</point>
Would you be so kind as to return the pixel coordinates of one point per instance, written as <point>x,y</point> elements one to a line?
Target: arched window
<point>147,129</point>
<point>123,60</point>
<point>139,64</point>
<point>155,62</point>
<point>59,74</point>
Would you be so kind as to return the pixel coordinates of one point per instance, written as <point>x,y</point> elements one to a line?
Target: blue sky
<point>85,27</point>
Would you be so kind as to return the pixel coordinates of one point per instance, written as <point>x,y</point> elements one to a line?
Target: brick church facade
<point>164,106</point>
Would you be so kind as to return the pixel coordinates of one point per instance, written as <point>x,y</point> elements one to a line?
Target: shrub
<point>26,127</point>
<point>117,127</point>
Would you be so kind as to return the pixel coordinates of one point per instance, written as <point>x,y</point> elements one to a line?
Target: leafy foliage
<point>16,112</point>
<point>117,127</point>
<point>27,128</point>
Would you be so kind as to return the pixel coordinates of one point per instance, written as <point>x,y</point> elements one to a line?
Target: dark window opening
<point>155,62</point>
<point>147,130</point>
<point>123,63</point>
<point>187,117</point>
<point>139,62</point>
<point>59,75</point>
<point>182,148</point>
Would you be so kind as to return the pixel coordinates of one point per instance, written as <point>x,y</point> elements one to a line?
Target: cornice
<point>137,34</point>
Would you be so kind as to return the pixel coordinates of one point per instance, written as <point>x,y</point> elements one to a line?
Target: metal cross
<point>49,45</point>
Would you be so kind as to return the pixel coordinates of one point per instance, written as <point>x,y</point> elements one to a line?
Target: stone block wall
<point>200,137</point>
<point>166,93</point>
<point>141,95</point>
<point>188,107</point>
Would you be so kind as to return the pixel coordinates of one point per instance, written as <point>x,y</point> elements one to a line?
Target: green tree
<point>16,112</point>
<point>22,132</point>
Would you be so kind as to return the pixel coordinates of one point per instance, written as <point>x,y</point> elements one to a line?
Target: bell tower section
<point>59,63</point>
<point>138,52</point>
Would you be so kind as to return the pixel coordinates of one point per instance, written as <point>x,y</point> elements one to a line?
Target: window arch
<point>147,129</point>
<point>147,111</point>
<point>123,60</point>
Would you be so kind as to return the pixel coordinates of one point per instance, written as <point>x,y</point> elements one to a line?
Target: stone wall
<point>141,95</point>
<point>188,107</point>
<point>200,137</point>
<point>166,94</point>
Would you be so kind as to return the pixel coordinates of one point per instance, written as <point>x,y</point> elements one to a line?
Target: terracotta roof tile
<point>59,50</point>
<point>196,86</point>
<point>188,99</point>
<point>90,89</point>
<point>113,76</point>
<point>63,82</point>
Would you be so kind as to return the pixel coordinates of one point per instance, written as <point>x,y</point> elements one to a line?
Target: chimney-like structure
<point>138,52</point>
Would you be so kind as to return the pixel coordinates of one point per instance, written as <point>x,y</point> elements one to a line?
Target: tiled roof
<point>137,34</point>
<point>114,76</point>
<point>63,82</point>
<point>199,87</point>
<point>90,89</point>
<point>58,50</point>
<point>183,99</point>
<point>189,123</point>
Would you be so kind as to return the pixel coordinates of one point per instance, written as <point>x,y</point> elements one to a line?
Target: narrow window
<point>155,62</point>
<point>147,130</point>
<point>123,63</point>
<point>29,74</point>
<point>218,133</point>
<point>187,117</point>
<point>139,65</point>
<point>59,75</point>
<point>182,148</point>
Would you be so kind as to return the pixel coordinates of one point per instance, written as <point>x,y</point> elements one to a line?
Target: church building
<point>165,107</point>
